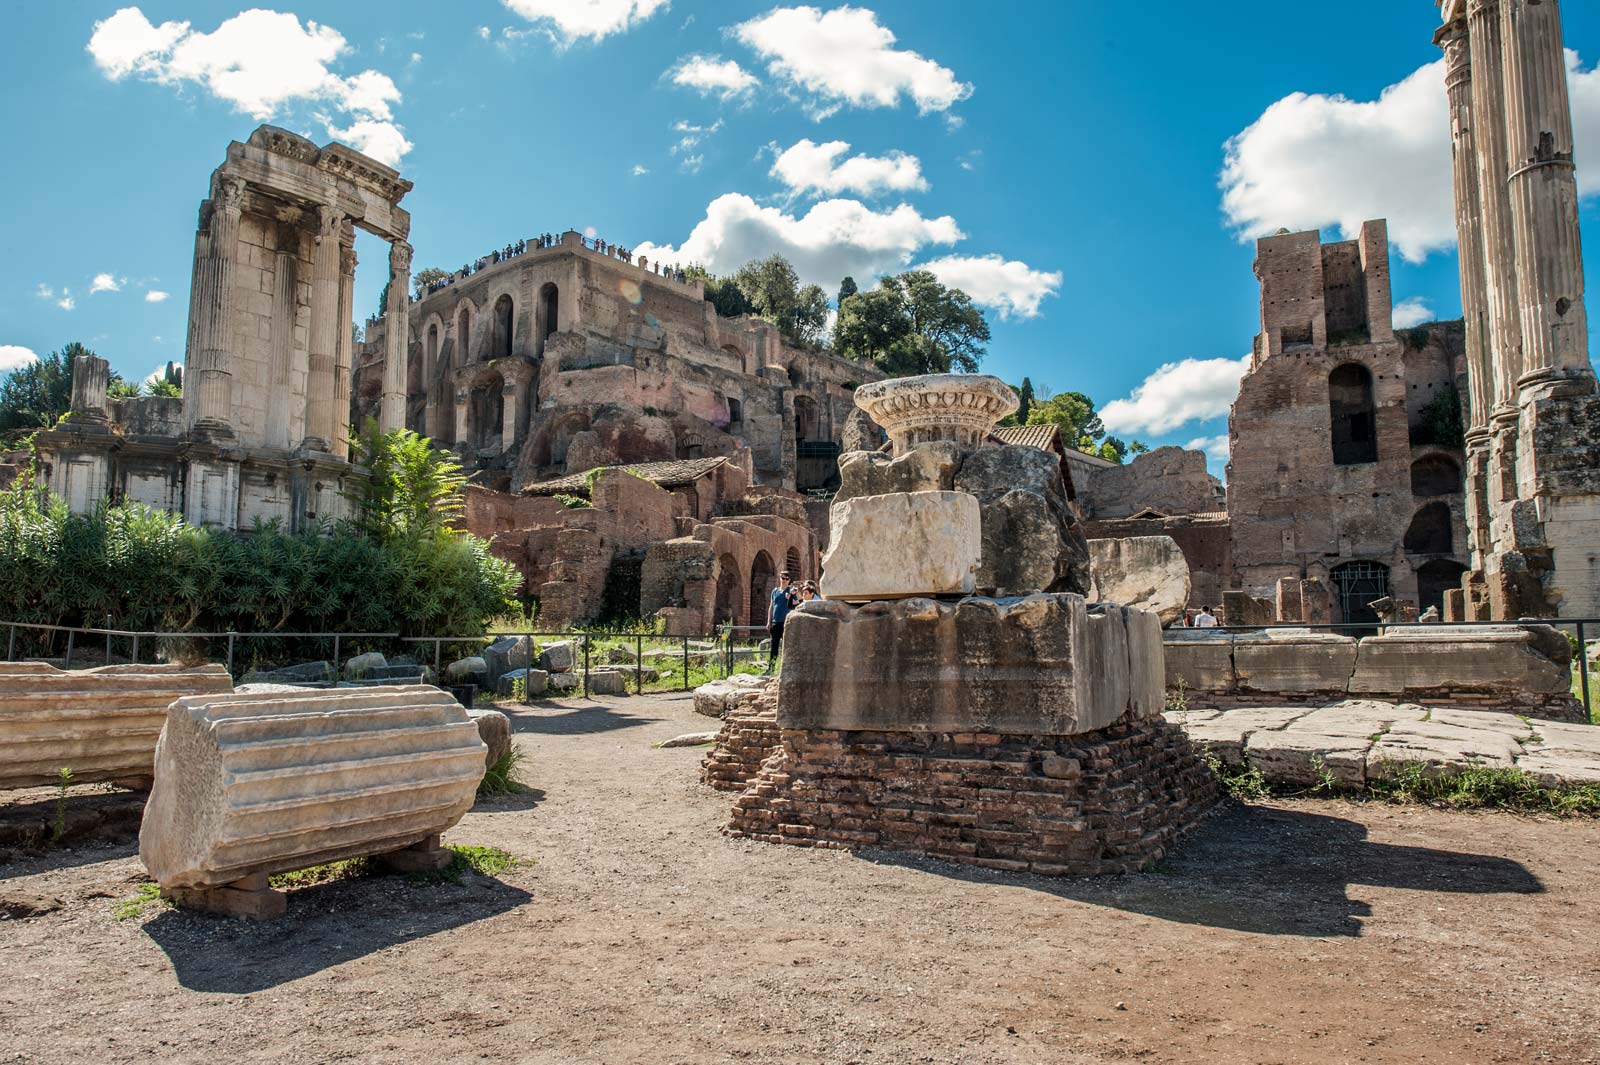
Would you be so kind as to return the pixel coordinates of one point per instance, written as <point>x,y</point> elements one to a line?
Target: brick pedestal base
<point>1110,801</point>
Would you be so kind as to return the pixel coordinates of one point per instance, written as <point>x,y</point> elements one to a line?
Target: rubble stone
<point>494,729</point>
<point>918,543</point>
<point>1148,572</point>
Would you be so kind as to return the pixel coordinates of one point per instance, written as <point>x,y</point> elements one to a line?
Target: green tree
<point>1138,447</point>
<point>424,278</point>
<point>1025,396</point>
<point>413,488</point>
<point>847,288</point>
<point>121,388</point>
<point>35,396</point>
<point>169,384</point>
<point>1074,412</point>
<point>772,288</point>
<point>721,292</point>
<point>1441,421</point>
<point>912,324</point>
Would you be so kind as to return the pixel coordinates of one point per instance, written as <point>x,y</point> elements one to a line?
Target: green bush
<point>395,569</point>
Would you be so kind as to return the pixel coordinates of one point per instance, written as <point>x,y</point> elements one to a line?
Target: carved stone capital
<point>400,260</point>
<point>229,194</point>
<point>957,407</point>
<point>330,223</point>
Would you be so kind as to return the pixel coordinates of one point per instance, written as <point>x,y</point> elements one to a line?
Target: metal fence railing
<point>1578,627</point>
<point>632,663</point>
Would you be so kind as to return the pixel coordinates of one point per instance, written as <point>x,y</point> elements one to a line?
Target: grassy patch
<point>501,779</point>
<point>1242,782</point>
<point>1486,788</point>
<point>486,861</point>
<point>148,897</point>
<point>1594,693</point>
<point>348,869</point>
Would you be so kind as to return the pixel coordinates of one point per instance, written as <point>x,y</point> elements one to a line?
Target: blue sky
<point>1086,169</point>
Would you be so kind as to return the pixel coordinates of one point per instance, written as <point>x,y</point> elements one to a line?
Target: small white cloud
<point>568,21</point>
<point>156,296</point>
<point>104,283</point>
<point>691,164</point>
<point>15,357</point>
<point>1175,394</point>
<point>1413,311</point>
<point>846,57</point>
<point>483,31</point>
<point>639,170</point>
<point>383,141</point>
<point>1215,447</point>
<point>833,239</point>
<point>45,292</point>
<point>691,135</point>
<point>66,302</point>
<point>416,57</point>
<point>1013,288</point>
<point>808,167</point>
<point>712,75</point>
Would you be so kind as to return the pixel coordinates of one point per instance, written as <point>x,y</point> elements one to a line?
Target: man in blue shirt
<point>781,602</point>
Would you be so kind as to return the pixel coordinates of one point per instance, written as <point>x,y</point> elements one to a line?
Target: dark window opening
<point>1429,532</point>
<point>1353,414</point>
<point>1358,585</point>
<point>549,310</point>
<point>1435,475</point>
<point>504,316</point>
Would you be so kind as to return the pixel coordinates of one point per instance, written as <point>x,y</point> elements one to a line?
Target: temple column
<point>209,364</point>
<point>345,357</point>
<point>1453,38</point>
<point>462,398</point>
<point>1543,194</point>
<point>324,341</point>
<point>397,338</point>
<point>508,416</point>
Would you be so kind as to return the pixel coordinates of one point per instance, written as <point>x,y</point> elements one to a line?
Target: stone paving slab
<point>1360,741</point>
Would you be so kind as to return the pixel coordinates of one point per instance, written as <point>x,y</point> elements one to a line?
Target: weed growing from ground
<point>59,828</point>
<point>147,897</point>
<point>1485,787</point>
<point>1242,782</point>
<point>501,779</point>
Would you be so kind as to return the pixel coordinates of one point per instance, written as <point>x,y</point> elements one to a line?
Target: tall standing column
<point>1543,193</point>
<point>397,337</point>
<point>1453,38</point>
<point>209,368</point>
<point>1499,248</point>
<point>324,340</point>
<point>346,349</point>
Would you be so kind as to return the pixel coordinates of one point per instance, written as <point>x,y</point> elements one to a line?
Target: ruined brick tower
<point>1335,473</point>
<point>1533,443</point>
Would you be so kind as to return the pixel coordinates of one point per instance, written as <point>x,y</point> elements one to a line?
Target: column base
<point>251,897</point>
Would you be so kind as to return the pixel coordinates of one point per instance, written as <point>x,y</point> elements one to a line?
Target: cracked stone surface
<point>1363,740</point>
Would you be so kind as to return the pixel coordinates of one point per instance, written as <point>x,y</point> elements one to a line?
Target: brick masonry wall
<point>1111,801</point>
<point>749,736</point>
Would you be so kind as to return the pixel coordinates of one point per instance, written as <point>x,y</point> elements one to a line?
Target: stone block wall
<point>1170,480</point>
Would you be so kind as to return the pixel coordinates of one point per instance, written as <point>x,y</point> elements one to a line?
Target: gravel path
<point>1289,932</point>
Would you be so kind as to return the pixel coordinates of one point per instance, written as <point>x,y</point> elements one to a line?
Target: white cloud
<point>846,57</point>
<point>15,357</point>
<point>1314,160</point>
<point>570,20</point>
<point>105,283</point>
<point>156,296</point>
<point>639,170</point>
<point>45,292</point>
<point>834,238</point>
<point>66,302</point>
<point>383,141</point>
<point>692,135</point>
<point>1414,311</point>
<point>259,61</point>
<point>807,166</point>
<point>1215,447</point>
<point>1013,288</point>
<point>483,31</point>
<point>691,164</point>
<point>710,74</point>
<point>1175,394</point>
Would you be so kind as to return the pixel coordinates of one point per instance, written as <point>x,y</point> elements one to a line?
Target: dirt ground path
<point>1289,932</point>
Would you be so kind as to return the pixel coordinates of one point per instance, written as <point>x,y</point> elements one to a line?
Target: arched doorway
<point>805,419</point>
<point>1357,585</point>
<point>791,565</point>
<point>1435,475</point>
<point>549,312</point>
<point>463,335</point>
<point>1429,532</point>
<point>504,317</point>
<point>726,611</point>
<point>1353,414</point>
<point>486,413</point>
<point>763,578</point>
<point>1434,579</point>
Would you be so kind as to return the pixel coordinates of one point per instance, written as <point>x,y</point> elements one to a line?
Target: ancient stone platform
<point>101,724</point>
<point>1363,741</point>
<point>249,785</point>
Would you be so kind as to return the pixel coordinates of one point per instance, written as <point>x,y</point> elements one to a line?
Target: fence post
<point>231,636</point>
<point>686,663</point>
<point>71,634</point>
<point>11,645</point>
<point>108,639</point>
<point>136,648</point>
<point>638,663</point>
<point>438,660</point>
<point>585,640</point>
<point>1583,672</point>
<point>336,660</point>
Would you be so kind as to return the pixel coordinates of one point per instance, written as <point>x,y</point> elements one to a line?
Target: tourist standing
<point>782,601</point>
<point>1205,619</point>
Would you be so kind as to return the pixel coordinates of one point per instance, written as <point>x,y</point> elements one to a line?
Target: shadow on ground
<point>571,718</point>
<point>326,925</point>
<point>1272,872</point>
